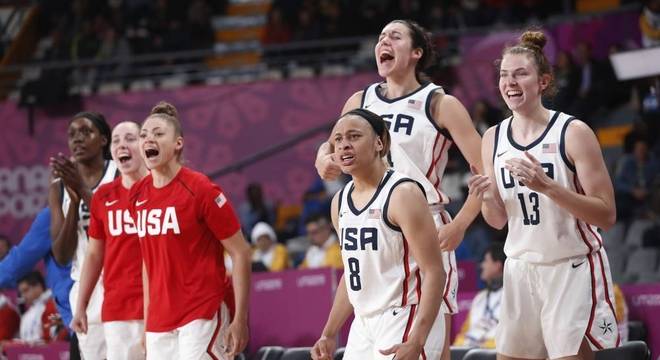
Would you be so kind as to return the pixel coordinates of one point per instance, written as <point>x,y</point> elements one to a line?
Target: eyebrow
<point>514,70</point>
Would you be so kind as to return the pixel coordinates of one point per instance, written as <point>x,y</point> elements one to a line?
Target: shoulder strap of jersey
<point>386,206</point>
<point>435,89</point>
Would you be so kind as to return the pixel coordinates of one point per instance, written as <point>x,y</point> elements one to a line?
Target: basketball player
<point>184,222</point>
<point>114,248</point>
<point>393,267</point>
<point>547,180</point>
<point>79,176</point>
<point>423,122</point>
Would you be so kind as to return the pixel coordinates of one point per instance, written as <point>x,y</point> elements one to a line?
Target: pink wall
<point>221,124</point>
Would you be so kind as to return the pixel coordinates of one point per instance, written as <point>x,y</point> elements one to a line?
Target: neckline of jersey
<point>349,199</point>
<point>387,100</point>
<point>509,134</point>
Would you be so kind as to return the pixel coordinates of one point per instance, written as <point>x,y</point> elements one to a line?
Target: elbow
<point>609,220</point>
<point>496,222</point>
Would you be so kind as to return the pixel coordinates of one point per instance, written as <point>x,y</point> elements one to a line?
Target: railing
<point>283,57</point>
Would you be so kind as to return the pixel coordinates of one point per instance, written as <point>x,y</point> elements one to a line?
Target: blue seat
<point>301,353</point>
<point>633,350</point>
<point>269,353</point>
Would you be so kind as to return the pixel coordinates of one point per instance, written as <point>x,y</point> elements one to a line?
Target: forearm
<point>468,212</point>
<point>429,305</point>
<point>66,241</point>
<point>241,283</point>
<point>90,276</point>
<point>341,310</point>
<point>589,209</point>
<point>493,210</point>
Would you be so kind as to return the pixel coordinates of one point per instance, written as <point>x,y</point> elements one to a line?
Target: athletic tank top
<point>379,271</point>
<point>419,146</point>
<point>109,174</point>
<point>540,231</point>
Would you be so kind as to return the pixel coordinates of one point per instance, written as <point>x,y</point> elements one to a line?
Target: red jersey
<point>110,221</point>
<point>180,226</point>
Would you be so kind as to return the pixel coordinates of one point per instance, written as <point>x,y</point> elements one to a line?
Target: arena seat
<point>269,353</point>
<point>339,354</point>
<point>634,350</point>
<point>636,231</point>
<point>458,352</point>
<point>636,331</point>
<point>480,354</point>
<point>299,353</point>
<point>642,261</point>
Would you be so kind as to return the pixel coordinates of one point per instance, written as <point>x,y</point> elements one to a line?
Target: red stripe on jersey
<point>580,191</point>
<point>593,304</point>
<point>435,143</point>
<point>607,291</point>
<point>451,269</point>
<point>577,223</point>
<point>209,349</point>
<point>436,185</point>
<point>419,285</point>
<point>447,282</point>
<point>411,317</point>
<point>406,269</point>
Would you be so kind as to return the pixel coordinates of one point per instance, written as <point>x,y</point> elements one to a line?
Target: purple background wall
<point>221,124</point>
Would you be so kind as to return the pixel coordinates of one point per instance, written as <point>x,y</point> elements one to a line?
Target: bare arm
<point>597,205</point>
<point>492,207</point>
<point>325,164</point>
<point>341,309</point>
<point>89,277</point>
<point>64,229</point>
<point>238,249</point>
<point>409,210</point>
<point>452,115</point>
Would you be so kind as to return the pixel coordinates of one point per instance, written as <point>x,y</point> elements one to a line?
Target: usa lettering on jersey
<point>353,239</point>
<point>120,222</point>
<point>157,222</point>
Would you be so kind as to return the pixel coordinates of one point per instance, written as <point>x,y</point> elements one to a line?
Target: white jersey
<point>419,146</point>
<point>379,271</point>
<point>540,231</point>
<point>109,174</point>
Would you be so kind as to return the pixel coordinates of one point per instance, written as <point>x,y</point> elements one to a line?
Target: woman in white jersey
<point>75,179</point>
<point>547,180</point>
<point>423,122</point>
<point>114,248</point>
<point>393,267</point>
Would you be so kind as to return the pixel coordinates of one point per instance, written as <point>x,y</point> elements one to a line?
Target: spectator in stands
<point>649,23</point>
<point>10,320</point>
<point>35,323</point>
<point>276,31</point>
<point>567,80</point>
<point>324,250</point>
<point>255,209</point>
<point>268,254</point>
<point>634,179</point>
<point>478,330</point>
<point>584,104</point>
<point>5,245</point>
<point>34,247</point>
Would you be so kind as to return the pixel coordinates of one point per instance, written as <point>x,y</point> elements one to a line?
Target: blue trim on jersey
<point>429,115</point>
<point>562,145</point>
<point>387,202</point>
<point>364,95</point>
<point>509,134</point>
<point>389,101</point>
<point>351,205</point>
<point>497,139</point>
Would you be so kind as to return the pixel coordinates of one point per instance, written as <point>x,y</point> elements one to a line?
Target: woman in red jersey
<point>114,247</point>
<point>184,222</point>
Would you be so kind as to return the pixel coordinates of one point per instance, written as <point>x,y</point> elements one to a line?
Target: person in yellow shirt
<point>267,251</point>
<point>621,311</point>
<point>324,250</point>
<point>478,330</point>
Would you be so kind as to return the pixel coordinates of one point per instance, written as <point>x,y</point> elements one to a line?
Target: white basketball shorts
<point>370,334</point>
<point>548,309</point>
